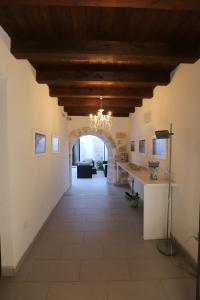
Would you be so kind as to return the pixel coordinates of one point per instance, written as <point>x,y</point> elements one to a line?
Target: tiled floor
<point>92,249</point>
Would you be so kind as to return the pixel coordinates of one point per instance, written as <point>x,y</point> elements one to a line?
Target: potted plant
<point>99,165</point>
<point>133,199</point>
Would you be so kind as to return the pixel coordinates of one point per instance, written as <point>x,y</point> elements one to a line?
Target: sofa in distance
<point>85,169</point>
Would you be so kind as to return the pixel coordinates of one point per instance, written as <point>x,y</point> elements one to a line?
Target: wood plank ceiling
<point>120,49</point>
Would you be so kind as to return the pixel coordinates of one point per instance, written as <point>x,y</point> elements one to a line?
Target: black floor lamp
<point>166,246</point>
<point>198,265</point>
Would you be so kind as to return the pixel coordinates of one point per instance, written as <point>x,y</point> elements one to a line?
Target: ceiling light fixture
<point>100,120</point>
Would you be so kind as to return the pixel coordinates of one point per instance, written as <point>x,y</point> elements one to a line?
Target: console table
<point>154,194</point>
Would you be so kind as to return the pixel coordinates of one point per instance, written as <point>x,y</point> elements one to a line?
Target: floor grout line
<point>89,237</point>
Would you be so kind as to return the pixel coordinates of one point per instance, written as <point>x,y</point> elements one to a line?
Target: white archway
<point>110,144</point>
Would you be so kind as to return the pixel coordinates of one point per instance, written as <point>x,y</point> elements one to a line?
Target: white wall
<point>118,124</point>
<point>35,184</point>
<point>5,217</point>
<point>179,103</point>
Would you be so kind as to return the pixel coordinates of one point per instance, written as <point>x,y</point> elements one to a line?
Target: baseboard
<point>185,253</point>
<point>8,271</point>
<point>69,186</point>
<point>11,271</point>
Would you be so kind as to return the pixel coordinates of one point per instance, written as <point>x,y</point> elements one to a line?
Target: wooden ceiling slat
<point>104,84</point>
<point>45,23</point>
<point>106,52</point>
<point>144,4</point>
<point>112,103</point>
<point>106,92</point>
<point>84,114</point>
<point>120,49</point>
<point>93,110</point>
<point>138,77</point>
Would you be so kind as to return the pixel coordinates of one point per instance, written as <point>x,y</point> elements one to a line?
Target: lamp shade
<point>162,134</point>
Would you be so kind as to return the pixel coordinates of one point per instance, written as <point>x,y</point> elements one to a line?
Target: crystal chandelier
<point>100,120</point>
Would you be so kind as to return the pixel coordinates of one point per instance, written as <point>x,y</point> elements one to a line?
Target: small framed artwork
<point>142,146</point>
<point>55,142</point>
<point>132,144</point>
<point>159,148</point>
<point>39,143</point>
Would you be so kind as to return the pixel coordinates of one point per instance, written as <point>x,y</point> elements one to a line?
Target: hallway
<point>92,248</point>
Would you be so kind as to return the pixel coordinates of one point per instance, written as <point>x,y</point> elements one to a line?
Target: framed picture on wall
<point>142,146</point>
<point>39,143</point>
<point>132,146</point>
<point>159,148</point>
<point>55,143</point>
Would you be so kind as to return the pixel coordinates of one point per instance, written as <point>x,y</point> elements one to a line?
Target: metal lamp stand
<point>166,246</point>
<point>198,265</point>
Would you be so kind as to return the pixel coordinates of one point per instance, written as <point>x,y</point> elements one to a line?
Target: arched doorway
<point>109,142</point>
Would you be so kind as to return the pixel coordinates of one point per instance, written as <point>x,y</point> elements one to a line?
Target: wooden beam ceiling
<point>134,79</point>
<point>107,93</point>
<point>192,5</point>
<point>118,49</point>
<point>85,114</point>
<point>106,52</point>
<point>107,103</point>
<point>116,111</point>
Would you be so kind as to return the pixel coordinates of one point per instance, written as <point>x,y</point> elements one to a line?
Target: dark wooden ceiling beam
<point>136,78</point>
<point>108,93</point>
<point>105,52</point>
<point>93,110</point>
<point>111,103</point>
<point>125,115</point>
<point>192,5</point>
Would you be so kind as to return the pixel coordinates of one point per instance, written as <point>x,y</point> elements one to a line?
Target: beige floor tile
<point>82,251</point>
<point>50,270</point>
<point>60,211</point>
<point>180,289</point>
<point>66,226</point>
<point>117,250</point>
<point>126,219</point>
<point>119,212</point>
<point>23,291</point>
<point>106,225</point>
<point>110,237</point>
<point>93,236</point>
<point>77,291</point>
<point>154,269</point>
<point>85,204</point>
<point>60,238</point>
<point>47,251</point>
<point>104,270</point>
<point>141,290</point>
<point>110,226</point>
<point>141,249</point>
<point>99,218</point>
<point>67,218</point>
<point>87,211</point>
<point>109,217</point>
